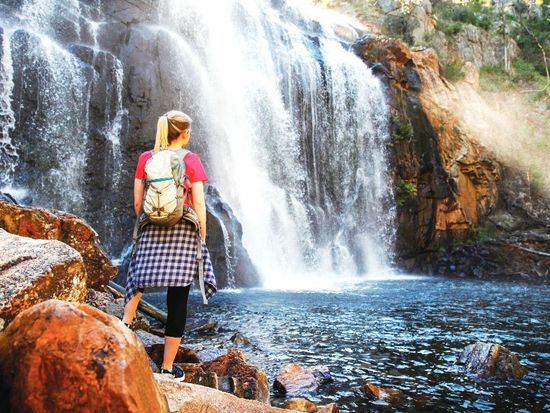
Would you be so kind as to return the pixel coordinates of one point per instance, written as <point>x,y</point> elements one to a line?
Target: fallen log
<point>144,306</point>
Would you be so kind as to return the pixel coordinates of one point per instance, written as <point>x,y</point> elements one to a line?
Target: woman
<point>166,256</point>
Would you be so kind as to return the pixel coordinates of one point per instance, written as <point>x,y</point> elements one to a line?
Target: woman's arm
<point>197,191</point>
<point>139,189</point>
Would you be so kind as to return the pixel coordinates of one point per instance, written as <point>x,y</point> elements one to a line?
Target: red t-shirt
<point>193,167</point>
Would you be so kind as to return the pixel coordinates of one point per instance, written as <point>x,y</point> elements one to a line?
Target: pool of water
<point>403,333</point>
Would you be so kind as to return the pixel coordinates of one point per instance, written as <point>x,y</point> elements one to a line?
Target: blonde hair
<point>169,127</point>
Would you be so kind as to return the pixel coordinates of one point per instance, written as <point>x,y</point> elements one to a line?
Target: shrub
<point>405,192</point>
<point>453,71</point>
<point>402,131</point>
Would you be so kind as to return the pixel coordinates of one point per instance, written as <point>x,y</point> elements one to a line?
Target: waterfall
<point>292,126</point>
<point>8,154</point>
<point>298,128</point>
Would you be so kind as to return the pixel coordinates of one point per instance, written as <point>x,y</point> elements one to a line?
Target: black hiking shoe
<point>177,374</point>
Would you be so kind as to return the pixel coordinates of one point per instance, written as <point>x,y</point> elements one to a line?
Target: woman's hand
<point>199,205</point>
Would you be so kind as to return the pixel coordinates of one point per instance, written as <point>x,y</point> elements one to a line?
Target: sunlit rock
<point>190,398</point>
<point>49,225</point>
<point>486,360</point>
<point>61,357</point>
<point>32,271</point>
<point>247,377</point>
<point>386,394</point>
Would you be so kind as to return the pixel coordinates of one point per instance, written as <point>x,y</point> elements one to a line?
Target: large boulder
<point>69,229</point>
<point>32,271</point>
<point>190,398</point>
<point>245,380</point>
<point>486,360</point>
<point>61,357</point>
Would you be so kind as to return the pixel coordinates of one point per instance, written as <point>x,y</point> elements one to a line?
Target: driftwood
<point>144,306</point>
<point>541,253</point>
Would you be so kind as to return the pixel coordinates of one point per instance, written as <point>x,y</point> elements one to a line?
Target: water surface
<point>402,333</point>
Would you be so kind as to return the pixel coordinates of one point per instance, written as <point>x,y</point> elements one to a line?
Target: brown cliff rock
<point>243,379</point>
<point>491,360</point>
<point>32,271</point>
<point>191,398</point>
<point>447,182</point>
<point>39,223</point>
<point>59,357</point>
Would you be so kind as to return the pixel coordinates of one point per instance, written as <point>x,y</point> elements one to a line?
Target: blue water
<point>404,334</point>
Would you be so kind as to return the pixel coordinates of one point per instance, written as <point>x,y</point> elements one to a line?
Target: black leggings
<point>176,301</point>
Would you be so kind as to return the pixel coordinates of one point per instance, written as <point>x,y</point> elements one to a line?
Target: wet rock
<point>32,271</point>
<point>486,360</point>
<point>238,339</point>
<point>208,328</point>
<point>39,223</point>
<point>51,362</point>
<point>322,374</point>
<point>190,398</point>
<point>294,380</point>
<point>252,380</point>
<point>230,259</point>
<point>386,394</point>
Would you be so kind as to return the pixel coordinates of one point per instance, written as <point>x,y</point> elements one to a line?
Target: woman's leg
<point>176,300</point>
<point>130,308</point>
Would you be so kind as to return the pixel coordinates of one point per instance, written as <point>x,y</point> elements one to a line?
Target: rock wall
<point>448,181</point>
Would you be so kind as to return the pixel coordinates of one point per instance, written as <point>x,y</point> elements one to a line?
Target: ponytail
<point>161,140</point>
<point>169,127</point>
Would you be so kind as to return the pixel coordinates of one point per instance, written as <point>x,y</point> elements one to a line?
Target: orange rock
<point>301,405</point>
<point>32,271</point>
<point>39,223</point>
<point>247,377</point>
<point>386,394</point>
<point>60,357</point>
<point>491,360</point>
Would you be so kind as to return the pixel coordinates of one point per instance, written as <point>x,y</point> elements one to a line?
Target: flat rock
<point>190,398</point>
<point>294,380</point>
<point>32,271</point>
<point>63,357</point>
<point>39,223</point>
<point>486,360</point>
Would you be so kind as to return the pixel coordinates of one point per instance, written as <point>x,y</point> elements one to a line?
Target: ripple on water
<point>401,334</point>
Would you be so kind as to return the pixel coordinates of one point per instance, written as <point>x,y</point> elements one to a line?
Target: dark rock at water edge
<point>486,360</point>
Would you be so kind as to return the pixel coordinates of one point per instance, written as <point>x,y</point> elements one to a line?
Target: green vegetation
<point>402,131</point>
<point>405,192</point>
<point>454,16</point>
<point>453,70</point>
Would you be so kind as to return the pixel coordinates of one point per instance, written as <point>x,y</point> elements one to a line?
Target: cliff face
<point>449,187</point>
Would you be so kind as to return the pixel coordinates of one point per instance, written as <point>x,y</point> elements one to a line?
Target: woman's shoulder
<point>146,155</point>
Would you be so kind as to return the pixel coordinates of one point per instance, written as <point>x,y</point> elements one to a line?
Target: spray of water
<point>298,149</point>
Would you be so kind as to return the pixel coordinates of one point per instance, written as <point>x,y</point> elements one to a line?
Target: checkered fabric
<point>166,257</point>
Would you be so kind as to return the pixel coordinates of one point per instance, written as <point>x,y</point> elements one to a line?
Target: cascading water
<point>301,126</point>
<point>52,45</point>
<point>291,124</point>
